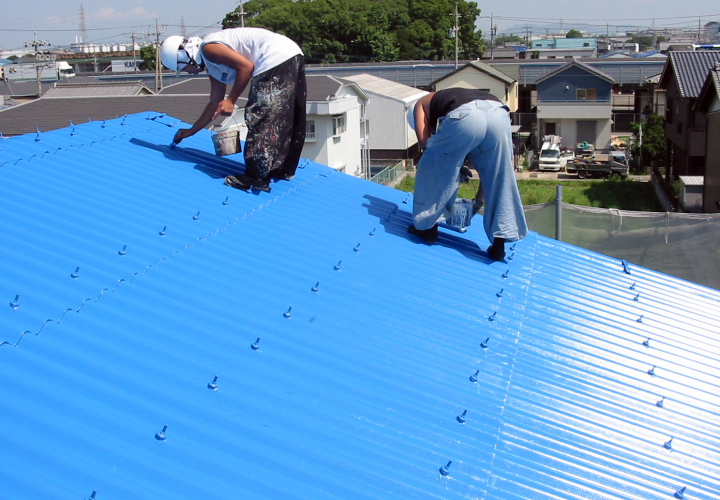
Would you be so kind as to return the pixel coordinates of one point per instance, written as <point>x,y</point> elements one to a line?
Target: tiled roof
<point>690,70</point>
<point>97,89</point>
<point>579,64</point>
<point>22,88</point>
<point>189,86</point>
<point>483,68</point>
<point>49,114</point>
<point>352,361</point>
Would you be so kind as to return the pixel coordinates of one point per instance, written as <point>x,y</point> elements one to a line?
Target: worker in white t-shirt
<point>274,67</point>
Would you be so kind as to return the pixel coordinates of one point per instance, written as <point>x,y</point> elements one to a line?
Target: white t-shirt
<point>265,49</point>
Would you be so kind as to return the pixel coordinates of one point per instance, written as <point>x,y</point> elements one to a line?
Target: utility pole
<point>36,44</point>
<point>456,29</point>
<point>183,30</point>
<point>158,62</point>
<point>494,36</point>
<point>133,37</point>
<point>242,13</point>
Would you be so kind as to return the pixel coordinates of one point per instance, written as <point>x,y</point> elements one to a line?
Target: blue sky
<point>58,22</point>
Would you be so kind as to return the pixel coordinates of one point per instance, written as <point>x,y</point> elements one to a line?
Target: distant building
<point>708,104</point>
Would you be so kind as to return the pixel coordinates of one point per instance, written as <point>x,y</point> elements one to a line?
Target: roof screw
<point>103,125</point>
<point>661,403</point>
<point>646,343</point>
<point>337,266</point>
<point>493,316</point>
<point>637,298</point>
<point>162,233</point>
<point>15,303</point>
<point>123,251</point>
<point>226,200</point>
<point>506,274</point>
<point>196,216</point>
<point>372,233</point>
<point>680,494</point>
<point>256,345</point>
<point>651,371</point>
<point>632,287</point>
<point>510,257</point>
<point>315,288</point>
<point>357,247</point>
<point>92,495</point>
<point>445,469</point>
<point>626,266</point>
<point>473,377</point>
<point>76,274</point>
<point>639,320</point>
<point>37,137</point>
<point>668,444</point>
<point>213,385</point>
<point>407,197</point>
<point>499,294</point>
<point>485,343</point>
<point>461,417</point>
<point>512,247</point>
<point>160,436</point>
<point>123,120</point>
<point>287,313</point>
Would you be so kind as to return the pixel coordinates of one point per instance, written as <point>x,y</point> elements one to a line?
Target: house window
<point>585,94</point>
<point>550,128</point>
<point>586,44</point>
<point>338,125</point>
<point>310,130</point>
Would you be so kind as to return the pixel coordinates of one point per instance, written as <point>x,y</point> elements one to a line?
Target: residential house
<point>685,128</point>
<point>574,102</point>
<point>165,336</point>
<point>477,75</point>
<point>708,104</point>
<point>391,138</point>
<point>337,129</point>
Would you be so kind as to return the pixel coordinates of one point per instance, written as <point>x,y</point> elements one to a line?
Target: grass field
<point>623,194</point>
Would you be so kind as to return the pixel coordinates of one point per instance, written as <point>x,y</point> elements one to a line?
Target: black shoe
<point>243,182</point>
<point>261,184</point>
<point>497,249</point>
<point>429,235</point>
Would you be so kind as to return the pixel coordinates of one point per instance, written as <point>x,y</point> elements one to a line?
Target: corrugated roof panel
<point>351,360</point>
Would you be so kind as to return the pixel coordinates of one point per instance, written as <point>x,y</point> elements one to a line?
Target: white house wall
<point>336,152</point>
<point>567,129</point>
<point>470,78</point>
<point>388,123</point>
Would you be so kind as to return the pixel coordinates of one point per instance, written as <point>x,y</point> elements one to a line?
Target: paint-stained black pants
<point>275,117</point>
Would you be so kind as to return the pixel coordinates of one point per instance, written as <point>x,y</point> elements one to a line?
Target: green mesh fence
<point>683,245</point>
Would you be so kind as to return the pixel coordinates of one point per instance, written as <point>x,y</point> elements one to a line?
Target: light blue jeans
<point>481,131</point>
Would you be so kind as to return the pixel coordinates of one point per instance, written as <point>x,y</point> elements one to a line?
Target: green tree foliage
<point>645,42</point>
<point>368,30</point>
<point>653,141</point>
<point>147,54</point>
<point>503,39</point>
<point>573,34</point>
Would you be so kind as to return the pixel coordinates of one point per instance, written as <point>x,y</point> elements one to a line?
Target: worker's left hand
<point>225,108</point>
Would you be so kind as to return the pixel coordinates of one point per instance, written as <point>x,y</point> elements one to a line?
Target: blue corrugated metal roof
<point>132,277</point>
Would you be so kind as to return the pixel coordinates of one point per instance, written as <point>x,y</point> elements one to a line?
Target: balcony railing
<point>573,101</point>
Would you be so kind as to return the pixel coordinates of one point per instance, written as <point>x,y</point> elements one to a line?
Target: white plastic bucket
<point>226,143</point>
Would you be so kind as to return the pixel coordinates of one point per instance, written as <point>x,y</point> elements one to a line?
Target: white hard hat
<point>169,51</point>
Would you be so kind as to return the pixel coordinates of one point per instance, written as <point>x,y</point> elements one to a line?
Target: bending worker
<point>451,125</point>
<point>275,112</point>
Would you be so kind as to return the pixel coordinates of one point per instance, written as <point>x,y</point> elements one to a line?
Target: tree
<point>503,39</point>
<point>573,34</point>
<point>368,30</point>
<point>644,41</point>
<point>147,54</point>
<point>653,140</point>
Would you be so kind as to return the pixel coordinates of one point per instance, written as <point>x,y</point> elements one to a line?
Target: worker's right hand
<point>181,134</point>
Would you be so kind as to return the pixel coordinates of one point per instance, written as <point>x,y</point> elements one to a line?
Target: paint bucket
<point>462,213</point>
<point>227,143</point>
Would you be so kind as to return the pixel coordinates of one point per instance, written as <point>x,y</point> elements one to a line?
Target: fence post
<point>558,212</point>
